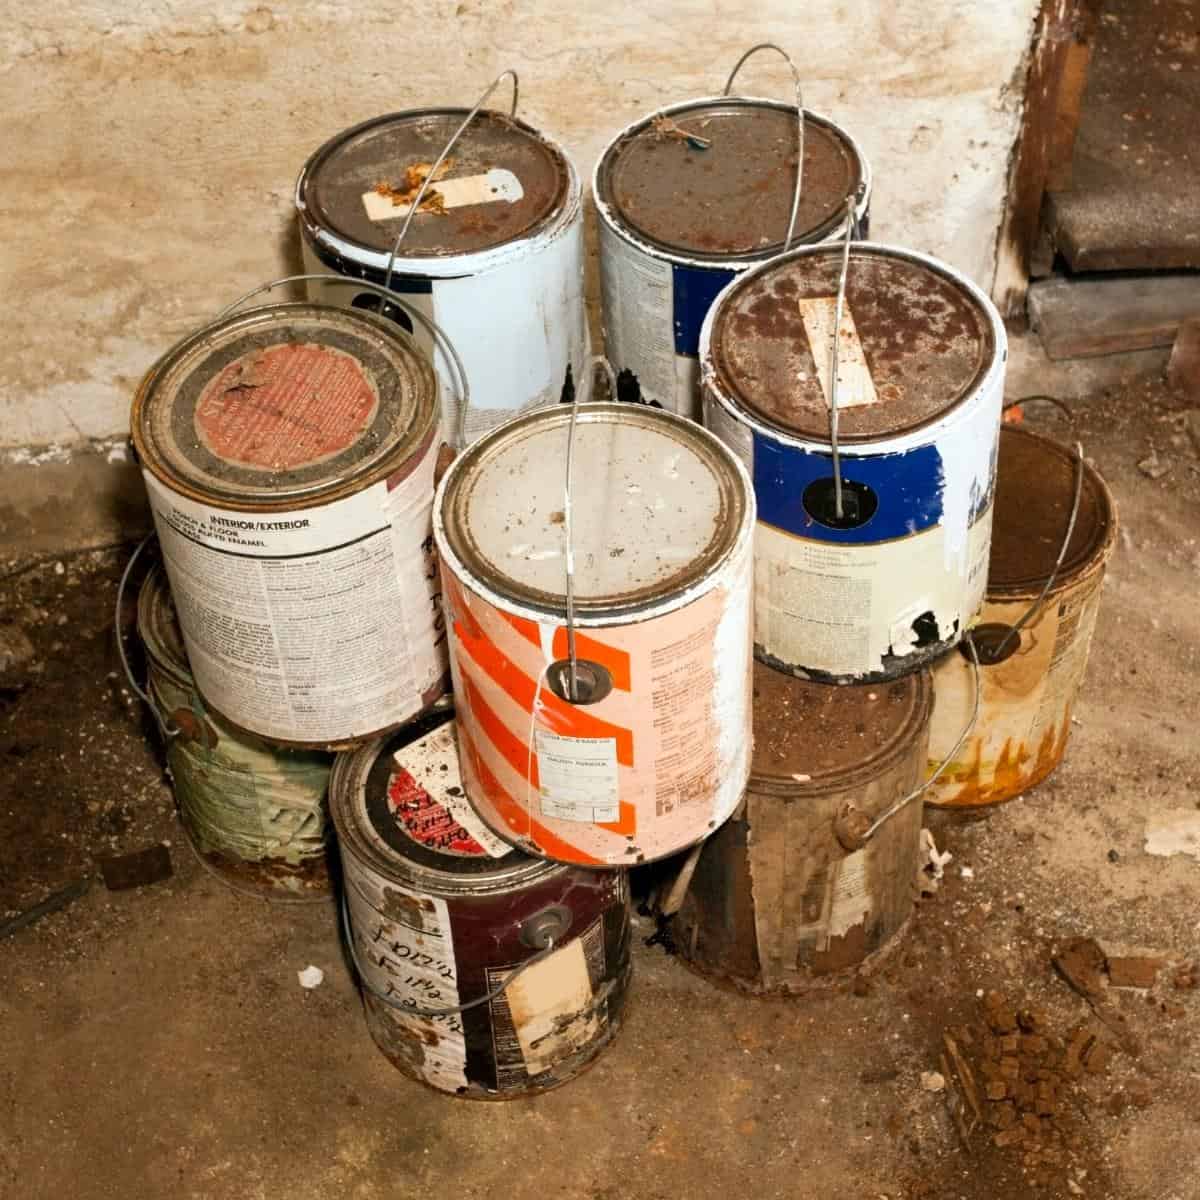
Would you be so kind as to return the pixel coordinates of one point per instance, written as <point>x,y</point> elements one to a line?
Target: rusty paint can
<point>441,911</point>
<point>499,267</point>
<point>893,582</point>
<point>289,453</point>
<point>776,904</point>
<point>1029,681</point>
<point>678,223</point>
<point>255,813</point>
<point>654,752</point>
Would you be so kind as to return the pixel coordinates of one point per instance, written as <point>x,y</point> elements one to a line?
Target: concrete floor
<point>157,1044</point>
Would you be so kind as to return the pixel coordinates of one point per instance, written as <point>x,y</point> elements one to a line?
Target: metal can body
<point>655,755</point>
<point>441,912</point>
<point>893,583</point>
<point>289,452</point>
<point>776,904</point>
<point>1028,694</point>
<point>662,265</point>
<point>256,814</point>
<point>507,289</point>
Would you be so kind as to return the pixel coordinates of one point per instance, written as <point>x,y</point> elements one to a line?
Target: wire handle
<point>839,306</point>
<point>435,331</point>
<point>453,1009</point>
<point>165,725</point>
<point>414,208</point>
<point>791,230</point>
<point>569,556</point>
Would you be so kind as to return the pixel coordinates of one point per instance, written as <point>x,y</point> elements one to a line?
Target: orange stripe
<point>617,661</point>
<point>526,628</point>
<point>510,747</point>
<point>556,715</point>
<point>514,815</point>
<point>626,824</point>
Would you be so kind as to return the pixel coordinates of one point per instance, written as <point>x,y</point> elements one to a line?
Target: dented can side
<point>255,813</point>
<point>777,905</point>
<point>441,912</point>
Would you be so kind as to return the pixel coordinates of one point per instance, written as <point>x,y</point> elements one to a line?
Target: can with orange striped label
<point>648,751</point>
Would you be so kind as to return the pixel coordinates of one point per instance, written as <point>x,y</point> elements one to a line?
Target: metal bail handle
<point>839,306</point>
<point>436,332</point>
<point>791,230</point>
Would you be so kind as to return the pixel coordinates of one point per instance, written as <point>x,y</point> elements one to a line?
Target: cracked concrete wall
<point>152,148</point>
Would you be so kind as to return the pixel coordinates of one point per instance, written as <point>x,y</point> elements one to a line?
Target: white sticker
<point>850,902</point>
<point>855,386</point>
<point>578,777</point>
<point>552,1010</point>
<point>495,186</point>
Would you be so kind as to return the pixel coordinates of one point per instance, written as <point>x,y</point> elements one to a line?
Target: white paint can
<point>289,453</point>
<point>678,222</point>
<point>499,267</point>
<point>894,581</point>
<point>655,751</point>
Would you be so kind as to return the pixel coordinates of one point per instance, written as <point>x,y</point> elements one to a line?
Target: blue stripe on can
<point>695,289</point>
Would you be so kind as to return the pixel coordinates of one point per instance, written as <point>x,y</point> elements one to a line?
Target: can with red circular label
<point>446,921</point>
<point>289,454</point>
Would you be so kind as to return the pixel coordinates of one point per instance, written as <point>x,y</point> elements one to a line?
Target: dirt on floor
<point>157,1043</point>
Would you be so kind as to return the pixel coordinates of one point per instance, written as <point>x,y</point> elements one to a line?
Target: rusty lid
<point>734,199</point>
<point>657,504</point>
<point>384,158</point>
<point>284,405</point>
<point>1035,488</point>
<point>818,737</point>
<point>927,339</point>
<point>158,626</point>
<point>399,807</point>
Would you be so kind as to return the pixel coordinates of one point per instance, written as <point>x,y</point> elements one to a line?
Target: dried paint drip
<point>496,259</point>
<point>1030,674</point>
<point>256,813</point>
<point>871,557</point>
<point>653,753</point>
<point>777,903</point>
<point>487,974</point>
<point>678,222</point>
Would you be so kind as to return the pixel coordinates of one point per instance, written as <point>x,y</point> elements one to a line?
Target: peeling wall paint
<point>152,150</point>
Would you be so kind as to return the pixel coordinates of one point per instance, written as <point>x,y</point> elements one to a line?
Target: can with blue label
<point>894,581</point>
<point>689,197</point>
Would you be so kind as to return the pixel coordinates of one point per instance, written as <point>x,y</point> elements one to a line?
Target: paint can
<point>289,453</point>
<point>893,582</point>
<point>1029,677</point>
<point>776,903</point>
<point>681,216</point>
<point>653,753</point>
<point>254,813</point>
<point>442,912</point>
<point>497,263</point>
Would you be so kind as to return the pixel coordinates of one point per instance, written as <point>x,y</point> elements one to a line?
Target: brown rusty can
<point>1028,681</point>
<point>442,913</point>
<point>777,904</point>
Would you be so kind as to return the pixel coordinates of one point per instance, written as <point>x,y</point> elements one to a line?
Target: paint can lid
<point>811,738</point>
<point>158,627</point>
<point>1035,488</point>
<point>503,181</point>
<point>285,406</point>
<point>732,200</point>
<point>923,339</point>
<point>399,806</point>
<point>657,505</point>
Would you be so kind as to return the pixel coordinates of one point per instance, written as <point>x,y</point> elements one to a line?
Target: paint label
<point>855,385</point>
<point>286,406</point>
<point>577,777</point>
<point>315,625</point>
<point>495,186</point>
<point>406,950</point>
<point>639,305</point>
<point>426,797</point>
<point>850,901</point>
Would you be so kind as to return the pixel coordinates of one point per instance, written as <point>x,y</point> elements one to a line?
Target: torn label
<point>497,185</point>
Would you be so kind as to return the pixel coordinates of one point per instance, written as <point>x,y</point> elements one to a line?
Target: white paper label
<point>849,902</point>
<point>551,1006</point>
<point>855,386</point>
<point>578,777</point>
<point>493,187</point>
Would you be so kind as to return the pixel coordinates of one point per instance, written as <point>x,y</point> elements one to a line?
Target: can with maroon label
<point>443,915</point>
